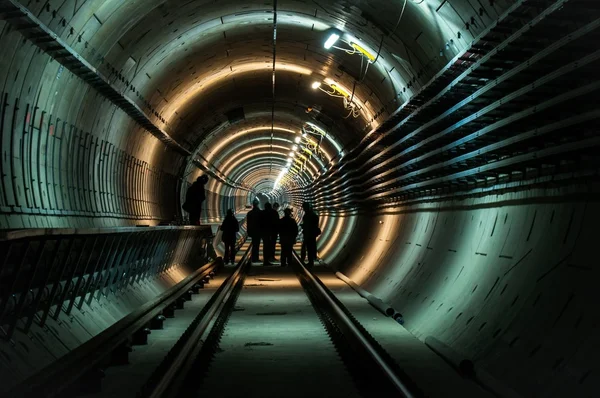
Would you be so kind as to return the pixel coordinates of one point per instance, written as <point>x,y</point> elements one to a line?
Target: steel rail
<point>357,335</point>
<point>170,380</point>
<point>62,374</point>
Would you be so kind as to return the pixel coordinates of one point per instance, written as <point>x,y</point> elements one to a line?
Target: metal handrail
<point>49,272</point>
<point>7,235</point>
<point>56,377</point>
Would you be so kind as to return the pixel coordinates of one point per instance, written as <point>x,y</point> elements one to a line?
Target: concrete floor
<point>275,346</point>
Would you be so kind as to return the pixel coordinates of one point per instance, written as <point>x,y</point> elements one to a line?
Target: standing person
<point>311,230</point>
<point>194,198</point>
<point>288,231</point>
<point>303,251</point>
<point>230,228</point>
<point>254,229</point>
<point>268,223</point>
<point>275,232</point>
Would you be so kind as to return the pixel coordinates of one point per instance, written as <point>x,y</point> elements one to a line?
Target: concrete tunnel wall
<point>504,279</point>
<point>507,280</point>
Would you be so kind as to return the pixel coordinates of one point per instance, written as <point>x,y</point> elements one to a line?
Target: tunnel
<point>446,146</point>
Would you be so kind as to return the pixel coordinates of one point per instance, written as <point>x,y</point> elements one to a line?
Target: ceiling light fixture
<point>335,90</point>
<point>331,40</point>
<point>352,47</point>
<point>363,51</point>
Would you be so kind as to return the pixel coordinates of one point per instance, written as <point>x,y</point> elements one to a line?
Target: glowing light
<point>295,148</point>
<point>205,84</point>
<point>316,85</point>
<point>292,154</point>
<point>333,38</point>
<point>297,140</point>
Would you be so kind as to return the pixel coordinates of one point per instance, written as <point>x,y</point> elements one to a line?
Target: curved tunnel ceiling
<point>236,77</point>
<point>468,177</point>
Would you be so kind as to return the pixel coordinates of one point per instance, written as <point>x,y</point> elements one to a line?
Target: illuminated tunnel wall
<point>503,278</point>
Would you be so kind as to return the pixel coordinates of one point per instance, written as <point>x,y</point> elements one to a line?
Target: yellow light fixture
<point>364,52</point>
<point>336,87</point>
<point>341,92</point>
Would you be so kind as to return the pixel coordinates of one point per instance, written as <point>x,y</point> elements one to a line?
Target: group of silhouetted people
<point>265,225</point>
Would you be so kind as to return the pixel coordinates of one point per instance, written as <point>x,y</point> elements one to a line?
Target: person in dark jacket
<point>269,224</point>
<point>310,229</point>
<point>230,228</point>
<point>194,198</point>
<point>288,231</point>
<point>254,229</point>
<point>275,233</point>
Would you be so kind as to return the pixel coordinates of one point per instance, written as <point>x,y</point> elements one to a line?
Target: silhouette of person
<point>275,233</point>
<point>254,229</point>
<point>194,198</point>
<point>269,224</point>
<point>230,228</point>
<point>288,231</point>
<point>310,227</point>
<point>303,249</point>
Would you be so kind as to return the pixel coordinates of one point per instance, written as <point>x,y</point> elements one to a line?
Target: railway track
<point>264,332</point>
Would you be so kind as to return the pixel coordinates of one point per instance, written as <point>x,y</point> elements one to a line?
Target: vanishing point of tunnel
<point>448,148</point>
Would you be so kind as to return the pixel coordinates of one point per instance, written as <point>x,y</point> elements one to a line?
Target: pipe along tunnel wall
<point>506,280</point>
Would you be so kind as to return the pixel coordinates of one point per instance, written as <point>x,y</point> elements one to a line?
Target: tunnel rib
<point>39,34</point>
<point>273,88</point>
<point>219,176</point>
